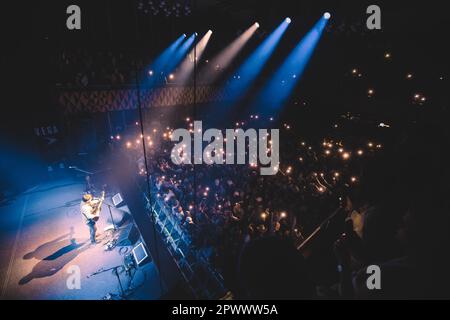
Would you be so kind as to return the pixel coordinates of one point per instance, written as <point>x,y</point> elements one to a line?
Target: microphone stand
<point>110,214</point>
<point>122,294</point>
<point>80,170</point>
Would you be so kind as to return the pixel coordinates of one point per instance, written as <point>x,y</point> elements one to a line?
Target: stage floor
<point>43,238</point>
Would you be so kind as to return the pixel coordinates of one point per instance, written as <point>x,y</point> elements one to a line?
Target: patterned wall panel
<point>91,101</point>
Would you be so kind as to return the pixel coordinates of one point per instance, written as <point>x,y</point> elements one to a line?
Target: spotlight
<point>196,34</point>
<point>186,67</point>
<point>253,65</point>
<point>224,58</point>
<point>279,88</point>
<point>150,72</point>
<point>327,15</point>
<point>171,76</point>
<point>184,35</point>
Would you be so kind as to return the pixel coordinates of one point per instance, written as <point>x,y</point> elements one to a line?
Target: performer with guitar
<point>90,210</point>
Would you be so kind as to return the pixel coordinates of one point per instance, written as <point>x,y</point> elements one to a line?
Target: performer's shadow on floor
<point>53,256</point>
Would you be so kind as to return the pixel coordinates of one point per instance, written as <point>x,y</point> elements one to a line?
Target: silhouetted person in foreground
<point>272,268</point>
<point>418,194</point>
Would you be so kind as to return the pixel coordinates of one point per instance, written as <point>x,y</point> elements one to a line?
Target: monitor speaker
<point>128,235</point>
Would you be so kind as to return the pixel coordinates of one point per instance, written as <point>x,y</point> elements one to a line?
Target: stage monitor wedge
<point>117,199</point>
<point>140,253</point>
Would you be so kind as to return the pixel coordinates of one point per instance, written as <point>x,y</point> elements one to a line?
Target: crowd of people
<point>227,210</point>
<point>250,226</point>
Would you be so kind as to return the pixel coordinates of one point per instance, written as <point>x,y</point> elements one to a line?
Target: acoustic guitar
<point>98,207</point>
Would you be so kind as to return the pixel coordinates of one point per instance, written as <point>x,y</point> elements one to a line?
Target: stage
<point>43,239</point>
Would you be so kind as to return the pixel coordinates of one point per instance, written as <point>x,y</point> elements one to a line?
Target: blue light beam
<point>278,89</point>
<point>157,66</point>
<point>180,54</point>
<point>242,79</point>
